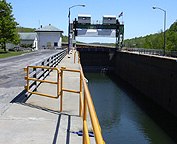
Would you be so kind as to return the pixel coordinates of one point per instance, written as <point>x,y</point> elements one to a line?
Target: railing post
<point>27,81</point>
<point>74,57</point>
<point>84,115</point>
<point>85,107</point>
<point>57,59</point>
<point>52,61</point>
<point>80,112</point>
<point>78,57</point>
<point>42,64</point>
<point>61,99</point>
<point>34,76</point>
<point>48,65</point>
<point>58,80</point>
<point>86,138</point>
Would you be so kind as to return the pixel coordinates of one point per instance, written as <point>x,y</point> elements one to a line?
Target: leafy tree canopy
<point>26,30</point>
<point>64,38</point>
<point>155,41</point>
<point>173,27</point>
<point>8,31</point>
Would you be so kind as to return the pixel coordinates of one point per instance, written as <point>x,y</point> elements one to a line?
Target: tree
<point>172,41</point>
<point>8,30</point>
<point>26,30</point>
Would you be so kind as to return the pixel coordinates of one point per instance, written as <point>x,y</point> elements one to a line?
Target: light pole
<point>164,26</point>
<point>69,25</point>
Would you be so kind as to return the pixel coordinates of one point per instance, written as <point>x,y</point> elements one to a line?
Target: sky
<point>138,16</point>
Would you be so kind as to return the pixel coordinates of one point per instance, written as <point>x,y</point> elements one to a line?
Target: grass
<point>6,54</point>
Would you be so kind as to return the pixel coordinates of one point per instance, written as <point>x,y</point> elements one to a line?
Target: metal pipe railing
<point>75,56</point>
<point>158,52</point>
<point>84,103</point>
<point>145,51</point>
<point>68,90</point>
<point>86,138</point>
<point>40,80</point>
<point>93,116</point>
<point>83,106</point>
<point>36,75</point>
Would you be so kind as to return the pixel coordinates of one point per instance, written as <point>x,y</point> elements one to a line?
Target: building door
<point>55,44</point>
<point>48,44</point>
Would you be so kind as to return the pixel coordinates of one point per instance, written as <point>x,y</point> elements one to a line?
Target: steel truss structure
<point>119,30</point>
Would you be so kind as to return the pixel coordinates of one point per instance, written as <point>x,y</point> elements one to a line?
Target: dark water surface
<point>121,119</point>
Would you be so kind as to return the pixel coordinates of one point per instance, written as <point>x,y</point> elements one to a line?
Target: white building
<point>25,39</point>
<point>48,37</point>
<point>28,38</point>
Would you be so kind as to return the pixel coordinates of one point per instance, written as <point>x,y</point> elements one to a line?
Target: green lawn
<point>10,53</point>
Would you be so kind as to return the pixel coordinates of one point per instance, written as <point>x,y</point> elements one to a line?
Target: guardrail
<point>95,123</point>
<point>75,56</point>
<point>146,51</point>
<point>85,102</point>
<point>46,64</point>
<point>44,81</point>
<point>152,51</point>
<point>73,91</point>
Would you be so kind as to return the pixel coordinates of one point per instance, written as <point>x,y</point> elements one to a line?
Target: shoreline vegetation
<point>7,54</point>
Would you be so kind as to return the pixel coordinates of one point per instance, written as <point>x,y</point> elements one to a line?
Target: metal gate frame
<point>45,81</point>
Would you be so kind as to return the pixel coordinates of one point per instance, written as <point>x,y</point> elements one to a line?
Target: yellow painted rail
<point>75,56</point>
<point>44,81</point>
<point>95,123</point>
<point>68,90</point>
<point>84,103</point>
<point>87,101</point>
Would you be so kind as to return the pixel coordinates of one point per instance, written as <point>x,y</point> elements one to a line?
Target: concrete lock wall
<point>154,76</point>
<point>94,61</point>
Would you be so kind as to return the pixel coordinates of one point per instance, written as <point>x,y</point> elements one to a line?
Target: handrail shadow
<point>21,99</point>
<point>56,130</point>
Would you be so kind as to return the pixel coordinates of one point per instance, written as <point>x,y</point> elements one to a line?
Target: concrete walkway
<point>12,75</point>
<point>38,120</point>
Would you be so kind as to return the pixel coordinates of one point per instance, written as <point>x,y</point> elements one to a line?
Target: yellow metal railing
<point>95,123</point>
<point>68,90</point>
<point>75,56</point>
<point>85,102</point>
<point>44,81</point>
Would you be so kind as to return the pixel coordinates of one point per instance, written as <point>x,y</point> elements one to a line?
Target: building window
<point>48,44</point>
<point>55,44</point>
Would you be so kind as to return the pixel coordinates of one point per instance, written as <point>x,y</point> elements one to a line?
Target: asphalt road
<point>12,75</point>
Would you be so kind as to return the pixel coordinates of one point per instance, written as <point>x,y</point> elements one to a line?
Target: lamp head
<point>154,7</point>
